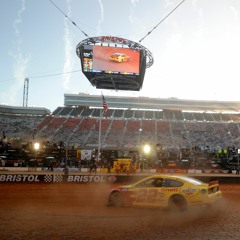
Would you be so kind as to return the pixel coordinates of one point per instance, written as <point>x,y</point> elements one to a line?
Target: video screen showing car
<point>111,60</point>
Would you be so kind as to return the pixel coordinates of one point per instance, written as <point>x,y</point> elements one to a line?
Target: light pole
<point>139,136</point>
<point>238,161</point>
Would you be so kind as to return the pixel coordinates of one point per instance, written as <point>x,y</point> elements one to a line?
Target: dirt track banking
<point>79,211</point>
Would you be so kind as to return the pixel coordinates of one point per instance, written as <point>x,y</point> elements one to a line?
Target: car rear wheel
<point>177,203</point>
<point>116,199</point>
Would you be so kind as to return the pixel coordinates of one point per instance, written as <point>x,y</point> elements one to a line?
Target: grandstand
<point>130,123</point>
<point>147,103</point>
<point>20,122</point>
<point>23,111</point>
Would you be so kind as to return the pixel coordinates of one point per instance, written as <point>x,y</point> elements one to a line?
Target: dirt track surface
<point>79,211</point>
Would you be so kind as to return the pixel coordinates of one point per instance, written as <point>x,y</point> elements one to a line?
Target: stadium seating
<point>125,128</point>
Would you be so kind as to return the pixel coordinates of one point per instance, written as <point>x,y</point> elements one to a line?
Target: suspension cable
<point>162,20</point>
<point>68,18</point>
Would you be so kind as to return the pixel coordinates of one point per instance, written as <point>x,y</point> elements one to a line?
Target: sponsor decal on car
<point>169,189</point>
<point>189,191</point>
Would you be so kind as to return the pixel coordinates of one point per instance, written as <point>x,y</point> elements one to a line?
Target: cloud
<point>68,48</point>
<point>131,17</point>
<point>18,19</point>
<point>169,4</point>
<point>20,62</point>
<point>133,2</point>
<point>235,13</point>
<point>134,21</point>
<point>19,71</point>
<point>99,31</point>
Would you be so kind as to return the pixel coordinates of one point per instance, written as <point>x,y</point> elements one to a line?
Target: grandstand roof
<point>34,111</point>
<point>88,100</point>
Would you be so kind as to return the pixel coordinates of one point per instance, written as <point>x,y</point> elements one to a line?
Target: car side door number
<point>147,195</point>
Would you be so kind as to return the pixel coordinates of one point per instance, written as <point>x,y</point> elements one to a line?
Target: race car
<point>166,191</point>
<point>119,57</point>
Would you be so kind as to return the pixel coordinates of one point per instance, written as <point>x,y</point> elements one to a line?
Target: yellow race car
<point>166,191</point>
<point>119,57</point>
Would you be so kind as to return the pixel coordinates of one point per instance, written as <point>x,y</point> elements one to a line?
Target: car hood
<point>126,186</point>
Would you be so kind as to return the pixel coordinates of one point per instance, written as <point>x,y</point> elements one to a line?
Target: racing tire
<point>116,200</point>
<point>177,203</point>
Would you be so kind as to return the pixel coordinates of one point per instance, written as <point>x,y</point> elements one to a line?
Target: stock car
<point>119,57</point>
<point>166,191</point>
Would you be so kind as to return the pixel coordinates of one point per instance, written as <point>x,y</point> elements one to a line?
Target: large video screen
<point>110,60</point>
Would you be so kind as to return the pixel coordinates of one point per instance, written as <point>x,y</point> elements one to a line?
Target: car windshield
<point>145,183</point>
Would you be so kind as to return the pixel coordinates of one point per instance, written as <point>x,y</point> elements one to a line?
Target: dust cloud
<point>79,211</point>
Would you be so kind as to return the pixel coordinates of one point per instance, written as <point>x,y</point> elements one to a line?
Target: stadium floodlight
<point>36,146</point>
<point>146,149</point>
<point>114,63</point>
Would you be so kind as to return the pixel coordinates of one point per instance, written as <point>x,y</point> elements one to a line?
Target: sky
<point>196,49</point>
